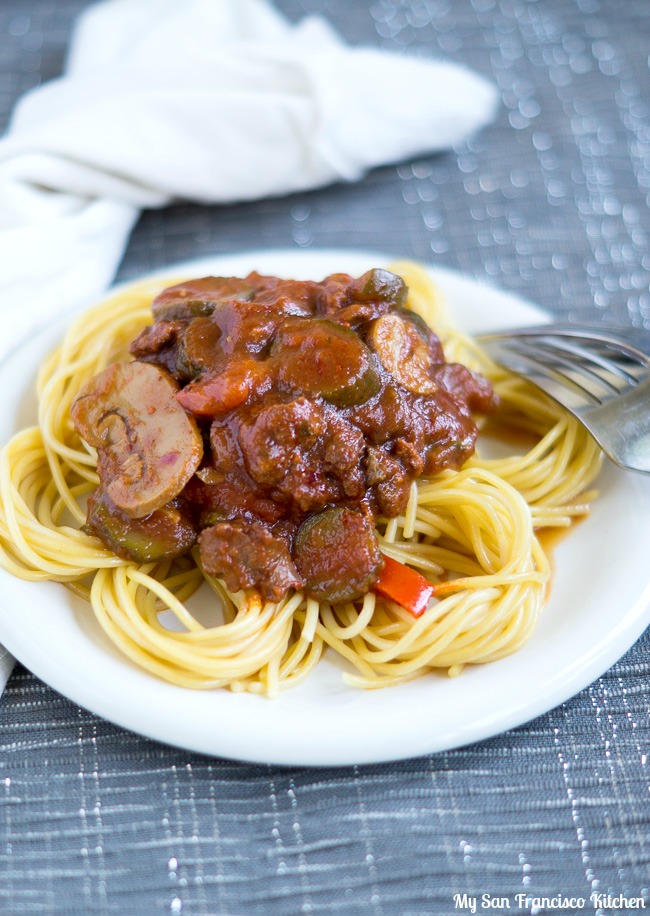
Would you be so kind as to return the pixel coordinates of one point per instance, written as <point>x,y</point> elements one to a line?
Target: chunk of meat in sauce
<point>467,387</point>
<point>245,554</point>
<point>384,418</point>
<point>388,481</point>
<point>288,297</point>
<point>223,490</point>
<point>202,296</point>
<point>451,433</point>
<point>303,453</point>
<point>159,343</point>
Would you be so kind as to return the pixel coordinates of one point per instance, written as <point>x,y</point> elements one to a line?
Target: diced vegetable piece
<point>210,517</point>
<point>199,297</point>
<point>380,284</point>
<point>215,395</point>
<point>163,534</point>
<point>148,446</point>
<point>337,554</point>
<point>318,357</point>
<point>403,352</point>
<point>404,586</point>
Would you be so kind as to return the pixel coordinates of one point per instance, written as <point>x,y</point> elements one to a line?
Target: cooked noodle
<point>470,531</point>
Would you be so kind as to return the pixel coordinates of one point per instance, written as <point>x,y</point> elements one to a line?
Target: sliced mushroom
<point>148,445</point>
<point>403,352</point>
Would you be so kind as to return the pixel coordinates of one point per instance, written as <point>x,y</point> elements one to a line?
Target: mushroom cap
<point>148,446</point>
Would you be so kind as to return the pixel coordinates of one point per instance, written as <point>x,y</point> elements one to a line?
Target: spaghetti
<point>471,532</point>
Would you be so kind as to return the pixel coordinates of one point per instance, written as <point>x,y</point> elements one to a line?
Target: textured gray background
<point>550,202</point>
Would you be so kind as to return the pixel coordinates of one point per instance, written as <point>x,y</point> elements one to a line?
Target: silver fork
<point>595,374</point>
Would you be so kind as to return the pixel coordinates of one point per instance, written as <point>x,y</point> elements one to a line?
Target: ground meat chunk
<point>303,453</point>
<point>468,387</point>
<point>245,554</point>
<point>155,337</point>
<point>385,417</point>
<point>359,314</point>
<point>334,294</point>
<point>388,482</point>
<point>159,343</point>
<point>223,489</point>
<point>288,297</point>
<point>410,456</point>
<point>450,437</point>
<point>199,297</point>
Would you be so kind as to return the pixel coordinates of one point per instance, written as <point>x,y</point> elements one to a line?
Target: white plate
<point>599,606</point>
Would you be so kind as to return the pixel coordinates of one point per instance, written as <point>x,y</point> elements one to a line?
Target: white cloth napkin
<point>213,101</point>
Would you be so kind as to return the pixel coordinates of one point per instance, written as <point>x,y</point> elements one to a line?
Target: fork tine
<point>617,375</point>
<point>609,338</point>
<point>603,380</point>
<point>576,364</point>
<point>518,357</point>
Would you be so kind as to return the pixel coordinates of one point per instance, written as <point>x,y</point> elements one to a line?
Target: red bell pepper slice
<point>404,586</point>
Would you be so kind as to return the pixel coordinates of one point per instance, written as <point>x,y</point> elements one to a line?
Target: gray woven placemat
<point>551,203</point>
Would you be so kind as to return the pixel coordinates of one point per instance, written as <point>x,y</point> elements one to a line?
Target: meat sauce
<point>272,422</point>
